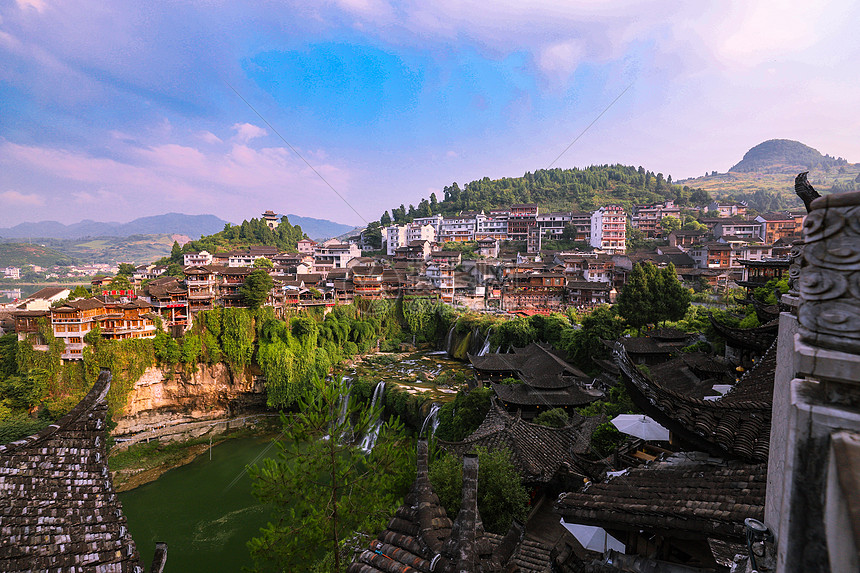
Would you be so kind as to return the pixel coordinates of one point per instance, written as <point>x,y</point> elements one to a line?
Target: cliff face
<point>161,397</point>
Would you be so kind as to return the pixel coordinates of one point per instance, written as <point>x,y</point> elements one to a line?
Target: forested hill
<point>253,232</point>
<point>785,156</point>
<point>557,190</point>
<point>764,178</point>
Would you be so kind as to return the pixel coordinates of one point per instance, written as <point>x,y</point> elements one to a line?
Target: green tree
<point>693,225</point>
<point>555,418</point>
<point>501,495</point>
<point>263,263</point>
<point>635,302</point>
<point>126,269</point>
<point>120,282</point>
<point>176,254</point>
<point>385,220</point>
<point>652,295</point>
<point>256,288</point>
<point>461,417</point>
<point>674,297</point>
<point>79,292</point>
<point>585,345</point>
<point>321,488</point>
<point>175,270</point>
<point>669,224</point>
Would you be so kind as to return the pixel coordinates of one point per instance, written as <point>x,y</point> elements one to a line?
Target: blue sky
<point>115,110</point>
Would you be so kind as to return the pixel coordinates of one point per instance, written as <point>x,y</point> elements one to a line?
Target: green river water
<point>204,510</point>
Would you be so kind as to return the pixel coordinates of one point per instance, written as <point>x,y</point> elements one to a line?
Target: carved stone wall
<point>829,283</point>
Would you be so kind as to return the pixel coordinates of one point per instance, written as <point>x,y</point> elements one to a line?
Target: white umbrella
<point>593,538</point>
<point>640,426</point>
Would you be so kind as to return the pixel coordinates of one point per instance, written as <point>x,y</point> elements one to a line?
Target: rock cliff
<point>165,397</point>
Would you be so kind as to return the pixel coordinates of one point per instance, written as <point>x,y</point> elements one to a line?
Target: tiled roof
<point>757,383</point>
<point>695,498</point>
<point>759,338</point>
<point>538,452</point>
<point>529,362</point>
<point>524,395</point>
<point>59,510</point>
<point>738,429</point>
<point>47,292</point>
<point>421,536</point>
<point>80,304</point>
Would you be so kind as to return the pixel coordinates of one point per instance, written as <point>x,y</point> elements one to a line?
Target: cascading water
<point>344,403</point>
<point>485,348</point>
<point>450,338</point>
<point>372,434</point>
<point>432,420</point>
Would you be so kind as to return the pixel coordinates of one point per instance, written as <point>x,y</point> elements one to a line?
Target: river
<point>204,510</point>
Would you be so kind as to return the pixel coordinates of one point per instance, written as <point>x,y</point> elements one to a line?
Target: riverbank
<point>145,462</point>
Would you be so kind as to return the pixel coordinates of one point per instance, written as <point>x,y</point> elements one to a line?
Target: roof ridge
<point>96,394</point>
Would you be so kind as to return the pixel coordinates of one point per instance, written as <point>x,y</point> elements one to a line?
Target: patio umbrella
<point>593,538</point>
<point>640,426</point>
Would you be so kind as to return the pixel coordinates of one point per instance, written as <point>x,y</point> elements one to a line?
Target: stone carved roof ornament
<point>829,285</point>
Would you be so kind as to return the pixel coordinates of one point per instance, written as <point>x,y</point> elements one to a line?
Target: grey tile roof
<point>705,499</point>
<point>59,510</point>
<point>538,452</point>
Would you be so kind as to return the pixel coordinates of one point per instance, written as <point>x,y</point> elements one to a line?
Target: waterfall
<point>372,434</point>
<point>344,402</point>
<point>432,419</point>
<point>450,338</point>
<point>486,347</point>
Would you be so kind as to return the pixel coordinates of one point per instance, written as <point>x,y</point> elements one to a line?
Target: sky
<point>341,109</point>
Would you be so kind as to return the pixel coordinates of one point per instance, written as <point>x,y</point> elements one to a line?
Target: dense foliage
<point>321,488</point>
<point>652,295</point>
<point>461,417</point>
<point>254,232</point>
<point>501,495</point>
<point>556,190</point>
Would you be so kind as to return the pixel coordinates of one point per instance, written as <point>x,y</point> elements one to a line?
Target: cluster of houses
<point>603,229</point>
<point>746,252</point>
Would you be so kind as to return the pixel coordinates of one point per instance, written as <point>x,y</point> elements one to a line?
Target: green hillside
<point>24,254</point>
<point>764,178</point>
<point>49,252</point>
<point>557,190</point>
<point>785,156</point>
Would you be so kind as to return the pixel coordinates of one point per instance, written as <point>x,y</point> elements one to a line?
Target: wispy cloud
<point>16,198</point>
<point>245,132</point>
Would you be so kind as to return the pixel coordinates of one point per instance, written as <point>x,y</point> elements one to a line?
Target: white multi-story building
<point>197,259</point>
<point>419,232</point>
<point>434,220</point>
<point>553,223</point>
<point>493,225</point>
<point>609,229</point>
<point>334,255</point>
<point>460,228</point>
<point>395,237</point>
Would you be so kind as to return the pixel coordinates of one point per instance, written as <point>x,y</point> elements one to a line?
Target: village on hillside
<point>696,472</point>
<point>426,257</point>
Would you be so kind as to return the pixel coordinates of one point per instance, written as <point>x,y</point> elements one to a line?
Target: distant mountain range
<point>193,226</point>
<point>318,228</point>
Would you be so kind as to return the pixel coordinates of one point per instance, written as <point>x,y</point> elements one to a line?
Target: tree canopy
<point>652,295</point>
<point>501,495</point>
<point>256,288</point>
<point>321,488</point>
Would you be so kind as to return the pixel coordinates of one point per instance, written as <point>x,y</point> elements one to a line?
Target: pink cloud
<point>245,132</point>
<point>21,199</point>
